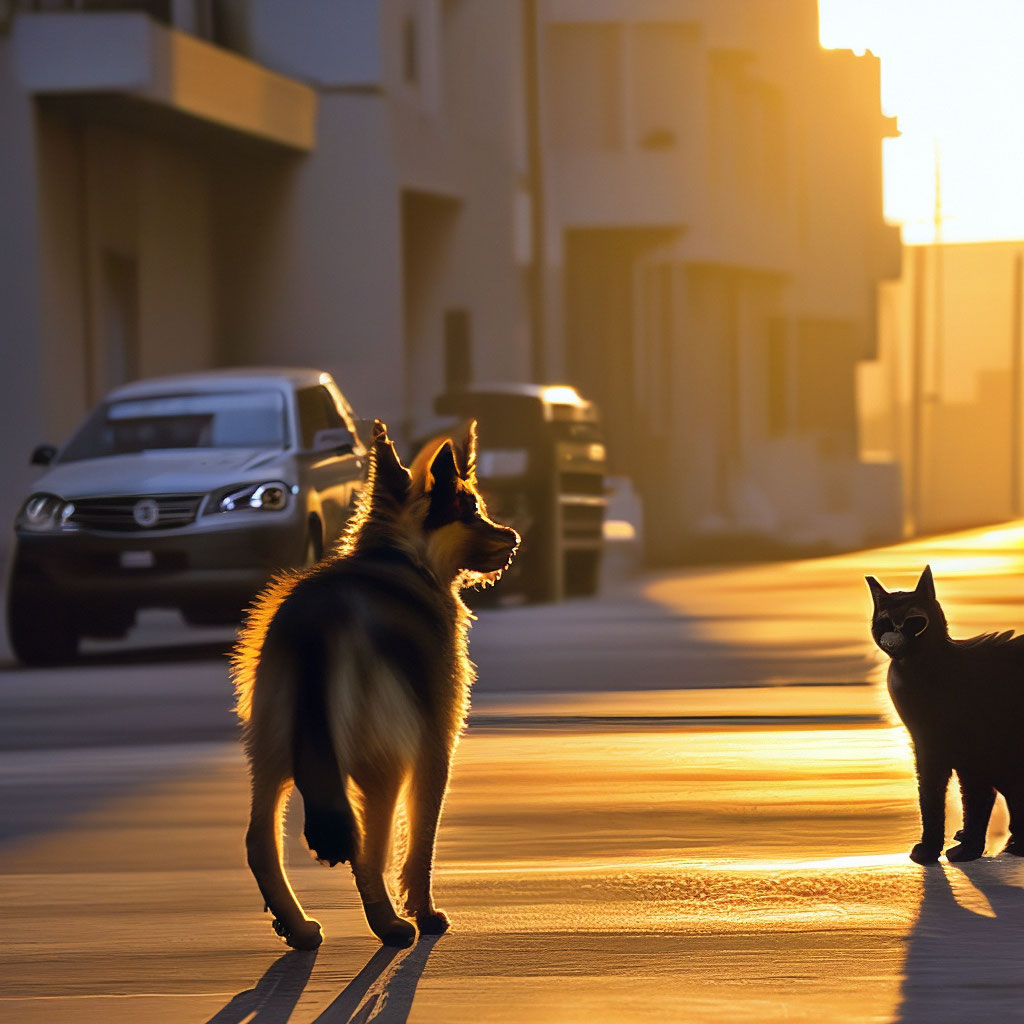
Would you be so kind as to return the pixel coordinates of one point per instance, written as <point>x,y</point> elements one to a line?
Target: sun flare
<point>952,74</point>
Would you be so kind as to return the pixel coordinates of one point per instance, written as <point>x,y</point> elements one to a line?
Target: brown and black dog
<point>353,682</point>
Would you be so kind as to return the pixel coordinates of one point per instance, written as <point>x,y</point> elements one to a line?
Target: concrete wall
<point>23,407</point>
<point>124,226</point>
<point>309,261</point>
<point>964,463</point>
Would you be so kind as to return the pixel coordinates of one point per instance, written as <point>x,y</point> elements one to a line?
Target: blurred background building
<point>944,397</point>
<point>675,205</point>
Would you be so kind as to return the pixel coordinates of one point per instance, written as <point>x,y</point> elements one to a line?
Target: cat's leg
<point>932,780</point>
<point>426,798</point>
<point>380,788</point>
<point>977,796</point>
<point>1015,804</point>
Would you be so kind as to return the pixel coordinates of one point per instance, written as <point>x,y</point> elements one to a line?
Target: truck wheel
<point>582,573</point>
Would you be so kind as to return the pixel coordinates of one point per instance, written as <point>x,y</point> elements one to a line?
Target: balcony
<point>128,63</point>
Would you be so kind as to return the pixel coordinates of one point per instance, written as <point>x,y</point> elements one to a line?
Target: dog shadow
<point>965,955</point>
<point>384,989</point>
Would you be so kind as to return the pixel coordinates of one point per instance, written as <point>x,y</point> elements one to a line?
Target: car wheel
<point>314,545</point>
<point>40,630</point>
<point>112,626</point>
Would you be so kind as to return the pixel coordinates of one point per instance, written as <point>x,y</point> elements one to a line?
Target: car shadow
<point>200,650</point>
<point>383,990</point>
<point>965,955</point>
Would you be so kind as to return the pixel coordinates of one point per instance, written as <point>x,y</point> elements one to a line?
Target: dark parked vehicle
<point>186,492</point>
<point>541,468</point>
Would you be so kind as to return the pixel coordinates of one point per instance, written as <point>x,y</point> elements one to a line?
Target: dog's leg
<point>426,798</point>
<point>380,794</point>
<point>263,849</point>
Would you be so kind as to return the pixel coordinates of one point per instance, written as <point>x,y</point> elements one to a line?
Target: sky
<point>953,74</point>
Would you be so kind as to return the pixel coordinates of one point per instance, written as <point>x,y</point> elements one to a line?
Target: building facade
<point>673,204</point>
<point>715,236</point>
<point>945,398</point>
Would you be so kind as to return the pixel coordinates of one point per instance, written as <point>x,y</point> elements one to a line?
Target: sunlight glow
<point>952,73</point>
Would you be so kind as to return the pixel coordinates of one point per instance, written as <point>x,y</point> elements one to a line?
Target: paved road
<point>681,801</point>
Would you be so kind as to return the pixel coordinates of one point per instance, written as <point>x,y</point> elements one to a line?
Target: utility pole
<point>917,390</point>
<point>939,301</point>
<point>1016,341</point>
<point>535,175</point>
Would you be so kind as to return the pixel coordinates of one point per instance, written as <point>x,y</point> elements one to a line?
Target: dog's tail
<point>330,828</point>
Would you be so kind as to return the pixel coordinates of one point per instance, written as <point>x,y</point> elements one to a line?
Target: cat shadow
<point>384,989</point>
<point>965,954</point>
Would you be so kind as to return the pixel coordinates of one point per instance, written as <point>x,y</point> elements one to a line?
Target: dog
<point>352,680</point>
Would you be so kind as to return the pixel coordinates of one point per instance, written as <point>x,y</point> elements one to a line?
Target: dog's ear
<point>926,585</point>
<point>390,476</point>
<point>465,453</point>
<point>876,588</point>
<point>443,475</point>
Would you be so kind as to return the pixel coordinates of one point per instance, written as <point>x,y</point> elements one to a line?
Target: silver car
<point>186,492</point>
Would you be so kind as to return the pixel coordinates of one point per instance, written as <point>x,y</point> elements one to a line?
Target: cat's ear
<point>926,585</point>
<point>876,588</point>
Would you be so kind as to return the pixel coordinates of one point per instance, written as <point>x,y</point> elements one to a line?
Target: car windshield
<point>230,419</point>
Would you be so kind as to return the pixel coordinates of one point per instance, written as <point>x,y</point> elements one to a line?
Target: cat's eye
<point>915,625</point>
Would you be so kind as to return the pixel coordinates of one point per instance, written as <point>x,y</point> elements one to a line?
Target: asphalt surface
<point>683,800</point>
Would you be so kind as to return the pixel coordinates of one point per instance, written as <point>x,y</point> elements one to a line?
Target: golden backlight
<point>953,73</point>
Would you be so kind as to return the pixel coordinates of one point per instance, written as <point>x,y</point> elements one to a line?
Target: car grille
<point>118,513</point>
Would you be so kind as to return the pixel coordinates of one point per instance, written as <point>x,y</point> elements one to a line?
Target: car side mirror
<point>43,455</point>
<point>333,439</point>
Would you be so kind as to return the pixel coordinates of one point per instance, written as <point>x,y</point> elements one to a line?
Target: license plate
<point>136,559</point>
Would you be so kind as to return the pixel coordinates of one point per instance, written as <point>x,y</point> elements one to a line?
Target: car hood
<point>162,472</point>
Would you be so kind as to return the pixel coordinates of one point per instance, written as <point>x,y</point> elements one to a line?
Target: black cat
<point>963,703</point>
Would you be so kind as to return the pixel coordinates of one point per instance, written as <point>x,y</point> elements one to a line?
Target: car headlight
<point>272,496</point>
<point>44,513</point>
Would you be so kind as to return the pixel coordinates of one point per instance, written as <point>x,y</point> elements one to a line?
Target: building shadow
<point>965,955</point>
<point>384,989</point>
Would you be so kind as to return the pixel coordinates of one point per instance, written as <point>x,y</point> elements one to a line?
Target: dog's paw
<point>400,934</point>
<point>922,854</point>
<point>307,936</point>
<point>964,852</point>
<point>388,926</point>
<point>434,922</point>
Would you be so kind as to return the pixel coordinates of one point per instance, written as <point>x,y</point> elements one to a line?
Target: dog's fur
<point>353,681</point>
<point>962,702</point>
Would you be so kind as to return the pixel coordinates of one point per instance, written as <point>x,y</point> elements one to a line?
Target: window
<point>585,88</point>
<point>458,350</point>
<point>216,420</point>
<point>317,411</point>
<point>778,377</point>
<point>410,55</point>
